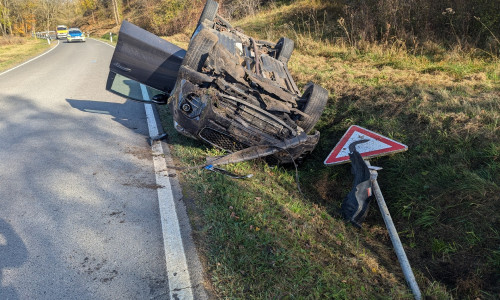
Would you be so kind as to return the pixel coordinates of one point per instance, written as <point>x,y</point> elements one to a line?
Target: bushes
<point>406,24</point>
<point>462,23</point>
<point>243,8</point>
<point>173,16</point>
<point>12,40</point>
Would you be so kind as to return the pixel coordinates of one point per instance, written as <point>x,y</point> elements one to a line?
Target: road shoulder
<point>173,223</point>
<point>11,59</point>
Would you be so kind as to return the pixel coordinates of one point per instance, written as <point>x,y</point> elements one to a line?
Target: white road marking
<point>103,42</point>
<point>177,270</point>
<point>180,286</point>
<point>179,281</point>
<point>29,60</point>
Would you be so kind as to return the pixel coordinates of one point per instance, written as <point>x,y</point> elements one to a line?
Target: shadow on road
<point>121,112</point>
<point>79,188</point>
<point>13,253</point>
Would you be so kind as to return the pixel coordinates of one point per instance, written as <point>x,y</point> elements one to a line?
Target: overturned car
<point>227,89</point>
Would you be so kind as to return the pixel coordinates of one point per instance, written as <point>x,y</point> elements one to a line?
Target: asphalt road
<point>79,215</point>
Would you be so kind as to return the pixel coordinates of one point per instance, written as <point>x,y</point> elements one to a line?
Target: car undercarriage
<point>229,90</point>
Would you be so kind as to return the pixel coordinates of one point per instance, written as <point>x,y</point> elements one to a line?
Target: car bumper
<point>76,39</point>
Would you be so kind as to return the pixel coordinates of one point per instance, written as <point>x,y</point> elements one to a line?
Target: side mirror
<point>133,90</point>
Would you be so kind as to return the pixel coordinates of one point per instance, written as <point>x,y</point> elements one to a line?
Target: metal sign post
<point>371,144</point>
<point>396,242</point>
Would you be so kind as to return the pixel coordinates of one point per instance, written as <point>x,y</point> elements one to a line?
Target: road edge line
<point>102,42</point>
<point>178,275</point>
<point>46,52</point>
<point>179,280</point>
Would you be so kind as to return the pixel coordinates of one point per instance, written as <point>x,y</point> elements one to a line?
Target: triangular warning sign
<point>377,145</point>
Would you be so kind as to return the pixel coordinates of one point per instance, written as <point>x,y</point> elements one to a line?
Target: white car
<point>75,35</point>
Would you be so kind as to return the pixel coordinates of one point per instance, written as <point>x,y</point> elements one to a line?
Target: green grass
<point>260,238</point>
<point>105,38</point>
<point>16,50</point>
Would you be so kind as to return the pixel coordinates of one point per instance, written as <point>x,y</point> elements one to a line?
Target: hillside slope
<point>444,192</point>
<point>261,238</point>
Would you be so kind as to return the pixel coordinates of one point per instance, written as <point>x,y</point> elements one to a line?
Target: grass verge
<point>16,50</point>
<point>106,38</point>
<point>260,238</point>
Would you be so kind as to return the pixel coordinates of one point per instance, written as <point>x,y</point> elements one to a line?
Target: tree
<point>88,6</point>
<point>5,22</point>
<point>48,10</point>
<point>116,13</point>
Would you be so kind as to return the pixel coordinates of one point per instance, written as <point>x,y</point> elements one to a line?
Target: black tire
<point>199,48</point>
<point>209,11</point>
<point>286,46</point>
<point>315,100</point>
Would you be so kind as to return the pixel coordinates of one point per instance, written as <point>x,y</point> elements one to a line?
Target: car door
<point>143,57</point>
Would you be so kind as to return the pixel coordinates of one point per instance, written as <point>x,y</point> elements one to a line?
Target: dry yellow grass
<point>17,50</point>
<point>7,40</point>
<point>180,39</point>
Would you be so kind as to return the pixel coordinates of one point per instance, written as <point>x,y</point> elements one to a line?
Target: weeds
<point>12,40</point>
<point>443,192</point>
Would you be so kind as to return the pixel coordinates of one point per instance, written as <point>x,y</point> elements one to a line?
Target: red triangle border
<point>395,146</point>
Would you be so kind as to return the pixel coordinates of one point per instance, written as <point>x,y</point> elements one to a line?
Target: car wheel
<point>209,11</point>
<point>286,46</point>
<point>315,98</point>
<point>198,50</point>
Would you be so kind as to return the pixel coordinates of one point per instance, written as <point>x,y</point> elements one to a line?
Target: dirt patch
<point>98,270</point>
<point>100,28</point>
<point>140,153</point>
<point>142,185</point>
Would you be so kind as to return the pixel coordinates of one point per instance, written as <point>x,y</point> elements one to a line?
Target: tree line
<point>22,17</point>
<point>463,23</point>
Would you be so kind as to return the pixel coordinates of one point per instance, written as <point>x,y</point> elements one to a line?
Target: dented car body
<point>227,89</point>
